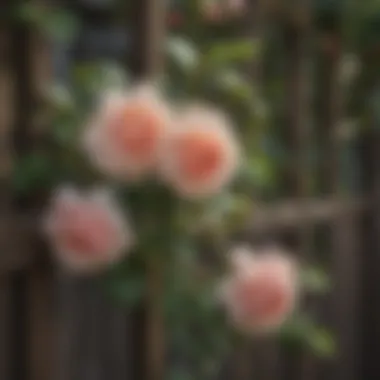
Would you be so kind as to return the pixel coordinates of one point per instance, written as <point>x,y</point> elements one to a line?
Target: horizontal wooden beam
<point>20,235</point>
<point>294,213</point>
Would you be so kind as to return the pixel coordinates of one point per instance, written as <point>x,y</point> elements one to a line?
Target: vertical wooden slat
<point>344,263</point>
<point>329,178</point>
<point>149,16</point>
<point>41,69</point>
<point>5,334</point>
<point>255,29</point>
<point>369,150</point>
<point>114,327</point>
<point>70,340</point>
<point>151,46</point>
<point>298,42</point>
<point>155,338</point>
<point>376,226</point>
<point>256,358</point>
<point>18,346</point>
<point>34,65</point>
<point>93,333</point>
<point>266,359</point>
<point>41,324</point>
<point>23,95</point>
<point>6,106</point>
<point>78,330</point>
<point>297,36</point>
<point>5,117</point>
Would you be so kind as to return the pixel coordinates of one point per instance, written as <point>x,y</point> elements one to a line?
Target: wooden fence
<point>55,327</point>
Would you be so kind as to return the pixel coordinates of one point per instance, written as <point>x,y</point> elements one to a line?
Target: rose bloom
<point>201,153</point>
<point>86,230</point>
<point>261,291</point>
<point>124,136</point>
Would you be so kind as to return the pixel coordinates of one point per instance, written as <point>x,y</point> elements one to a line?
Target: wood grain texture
<point>368,347</point>
<point>155,329</point>
<point>94,334</point>
<point>298,34</point>
<point>5,331</point>
<point>152,47</point>
<point>6,157</point>
<point>42,343</point>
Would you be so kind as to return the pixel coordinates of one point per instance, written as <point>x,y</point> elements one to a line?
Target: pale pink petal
<point>86,229</point>
<point>215,154</point>
<point>124,138</point>
<point>262,289</point>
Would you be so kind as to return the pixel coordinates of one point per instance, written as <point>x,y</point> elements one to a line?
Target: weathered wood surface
<point>94,334</point>
<point>6,119</point>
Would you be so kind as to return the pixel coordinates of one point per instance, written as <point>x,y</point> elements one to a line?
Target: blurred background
<point>301,76</point>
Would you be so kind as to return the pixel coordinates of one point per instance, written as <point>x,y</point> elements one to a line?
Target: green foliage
<point>229,52</point>
<point>125,283</point>
<point>60,99</point>
<point>98,77</point>
<point>183,53</point>
<point>55,23</point>
<point>33,172</point>
<point>171,232</point>
<point>315,280</point>
<point>302,332</point>
<point>321,342</point>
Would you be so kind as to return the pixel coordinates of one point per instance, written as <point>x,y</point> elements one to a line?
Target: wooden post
<point>368,356</point>
<point>6,115</point>
<point>41,323</point>
<point>298,35</point>
<point>343,230</point>
<point>34,286</point>
<point>256,358</point>
<point>5,161</point>
<point>149,50</point>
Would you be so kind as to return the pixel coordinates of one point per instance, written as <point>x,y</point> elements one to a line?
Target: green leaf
<point>124,285</point>
<point>56,23</point>
<point>30,12</point>
<point>183,53</point>
<point>61,25</point>
<point>258,171</point>
<point>112,76</point>
<point>34,171</point>
<point>231,52</point>
<point>315,280</point>
<point>95,78</point>
<point>321,342</point>
<point>301,331</point>
<point>60,97</point>
<point>294,331</point>
<point>235,84</point>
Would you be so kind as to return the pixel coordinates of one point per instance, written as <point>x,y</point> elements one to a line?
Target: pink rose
<point>261,291</point>
<point>124,137</point>
<point>86,230</point>
<point>201,153</point>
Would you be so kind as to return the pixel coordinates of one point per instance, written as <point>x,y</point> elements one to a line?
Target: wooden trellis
<point>54,327</point>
